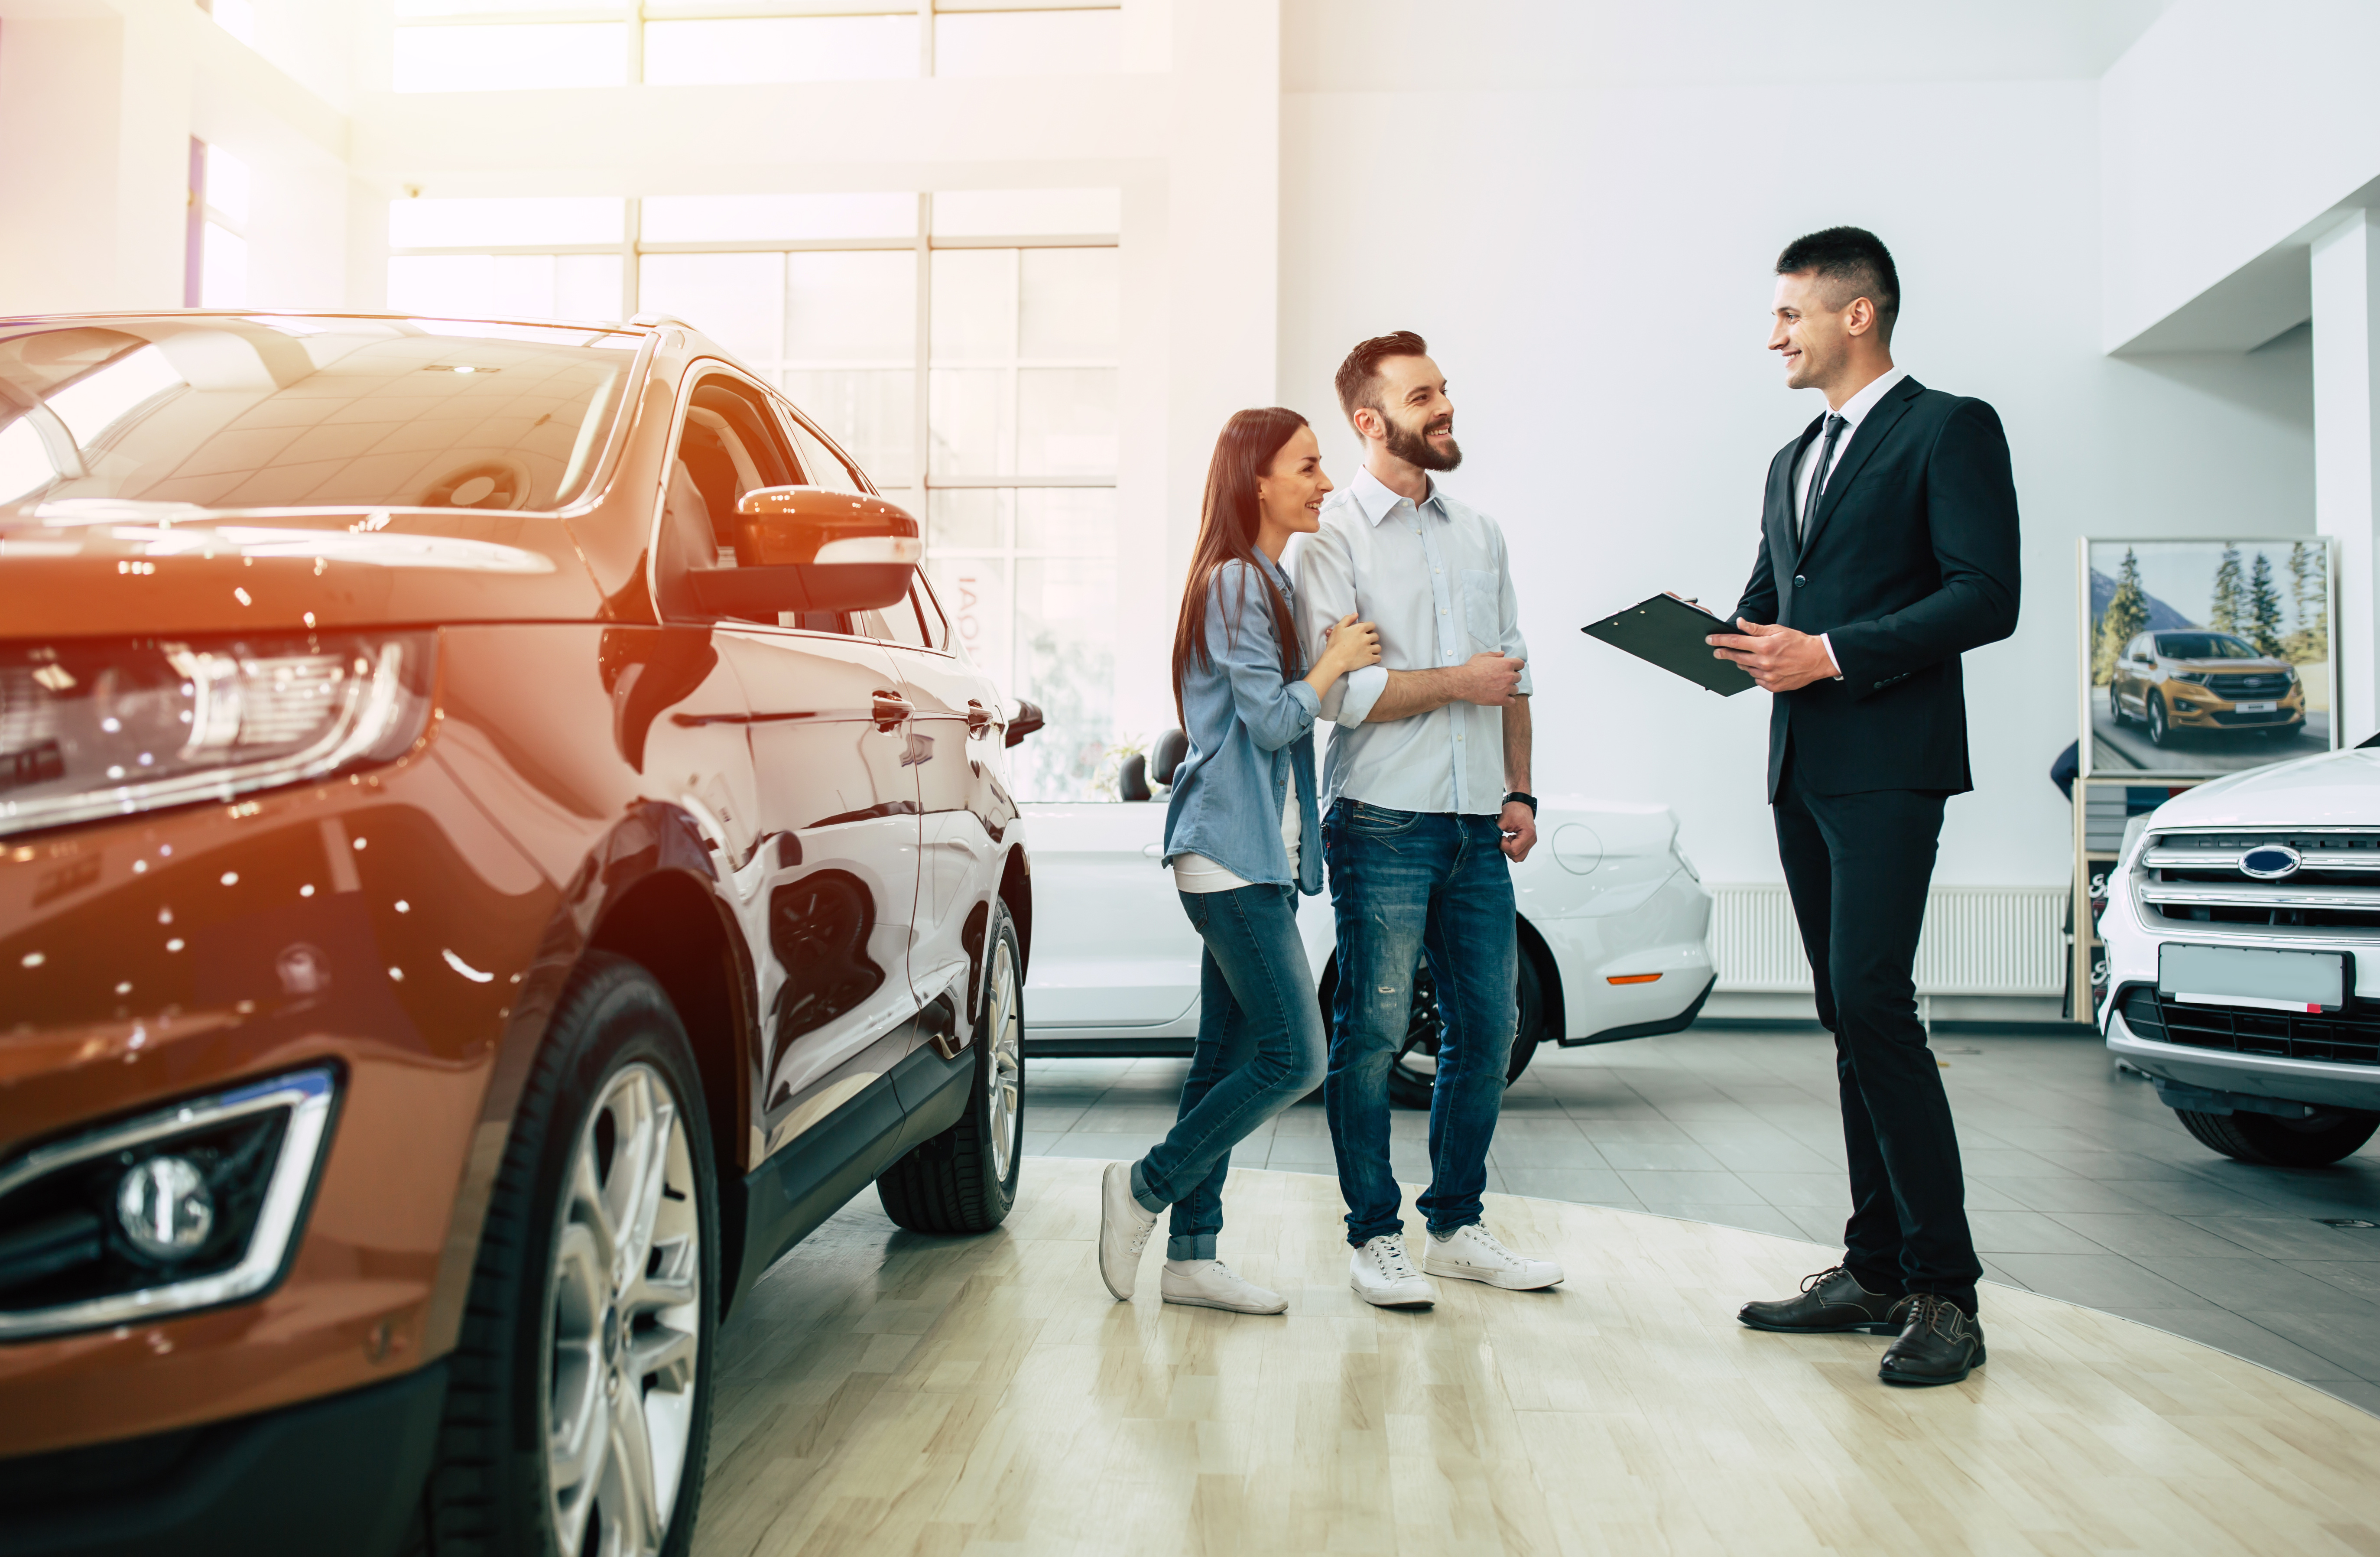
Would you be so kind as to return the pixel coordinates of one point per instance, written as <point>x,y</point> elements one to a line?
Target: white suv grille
<point>2191,877</point>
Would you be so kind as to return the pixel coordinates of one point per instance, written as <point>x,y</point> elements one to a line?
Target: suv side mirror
<point>808,549</point>
<point>1027,720</point>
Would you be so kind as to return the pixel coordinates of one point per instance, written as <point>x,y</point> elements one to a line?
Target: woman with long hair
<point>1237,836</point>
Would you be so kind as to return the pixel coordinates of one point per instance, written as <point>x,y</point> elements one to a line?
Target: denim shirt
<point>1251,738</point>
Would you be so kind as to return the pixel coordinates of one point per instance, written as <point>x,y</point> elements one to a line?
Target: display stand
<point>2103,807</point>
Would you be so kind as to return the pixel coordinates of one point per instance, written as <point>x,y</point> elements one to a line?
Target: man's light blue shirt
<point>1436,580</point>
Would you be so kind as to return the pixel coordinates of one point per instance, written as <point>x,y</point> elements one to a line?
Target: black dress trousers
<point>1858,866</point>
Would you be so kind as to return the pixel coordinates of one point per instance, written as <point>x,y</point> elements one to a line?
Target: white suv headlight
<point>98,729</point>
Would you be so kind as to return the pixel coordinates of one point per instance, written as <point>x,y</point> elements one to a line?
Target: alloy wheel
<point>2157,727</point>
<point>1004,1032</point>
<point>623,1305</point>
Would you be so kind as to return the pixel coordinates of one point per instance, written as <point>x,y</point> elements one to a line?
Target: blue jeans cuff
<point>1149,1202</point>
<point>1196,1246</point>
<point>1452,1228</point>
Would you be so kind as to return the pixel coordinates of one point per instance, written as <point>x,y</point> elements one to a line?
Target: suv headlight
<point>2195,677</point>
<point>187,1207</point>
<point>97,729</point>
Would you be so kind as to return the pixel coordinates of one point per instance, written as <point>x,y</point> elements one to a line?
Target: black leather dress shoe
<point>1829,1301</point>
<point>1939,1342</point>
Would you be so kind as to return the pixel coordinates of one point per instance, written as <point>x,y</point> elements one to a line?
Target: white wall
<point>2227,132</point>
<point>1592,266</point>
<point>98,103</point>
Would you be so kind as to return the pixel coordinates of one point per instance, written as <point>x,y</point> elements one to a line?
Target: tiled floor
<point>2080,1183</point>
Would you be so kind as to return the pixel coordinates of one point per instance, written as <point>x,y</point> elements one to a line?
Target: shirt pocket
<point>1483,609</point>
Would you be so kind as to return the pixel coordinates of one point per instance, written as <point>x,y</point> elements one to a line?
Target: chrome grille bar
<point>2158,857</point>
<point>2252,894</point>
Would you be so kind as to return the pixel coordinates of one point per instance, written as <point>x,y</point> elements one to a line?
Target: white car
<point>1614,928</point>
<point>2242,930</point>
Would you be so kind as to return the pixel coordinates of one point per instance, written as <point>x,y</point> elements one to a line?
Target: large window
<point>489,45</point>
<point>215,266</point>
<point>961,346</point>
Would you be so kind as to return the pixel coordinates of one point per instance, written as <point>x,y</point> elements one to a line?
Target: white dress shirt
<point>1436,581</point>
<point>1854,412</point>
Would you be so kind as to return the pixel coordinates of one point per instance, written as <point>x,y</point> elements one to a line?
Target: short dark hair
<point>1358,375</point>
<point>1858,264</point>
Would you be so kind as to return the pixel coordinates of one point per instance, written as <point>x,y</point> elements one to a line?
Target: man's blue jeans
<point>1259,1050</point>
<point>1405,882</point>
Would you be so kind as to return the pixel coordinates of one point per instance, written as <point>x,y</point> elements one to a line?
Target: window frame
<point>632,17</point>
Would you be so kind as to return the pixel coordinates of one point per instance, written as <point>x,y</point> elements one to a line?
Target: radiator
<point>1977,941</point>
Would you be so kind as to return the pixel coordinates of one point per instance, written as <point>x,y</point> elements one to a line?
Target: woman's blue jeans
<point>1260,1049</point>
<point>1405,883</point>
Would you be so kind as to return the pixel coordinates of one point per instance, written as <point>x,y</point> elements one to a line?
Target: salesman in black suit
<point>1888,548</point>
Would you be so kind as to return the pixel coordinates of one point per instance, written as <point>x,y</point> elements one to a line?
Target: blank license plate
<point>2256,708</point>
<point>2251,976</point>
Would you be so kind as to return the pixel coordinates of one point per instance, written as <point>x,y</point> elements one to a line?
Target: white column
<point>2347,450</point>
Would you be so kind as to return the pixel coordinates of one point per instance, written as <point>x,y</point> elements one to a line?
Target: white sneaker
<point>1123,1230</point>
<point>1383,1277</point>
<point>1210,1283</point>
<point>1471,1256</point>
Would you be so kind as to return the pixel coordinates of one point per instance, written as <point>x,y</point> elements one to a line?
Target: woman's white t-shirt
<point>1195,873</point>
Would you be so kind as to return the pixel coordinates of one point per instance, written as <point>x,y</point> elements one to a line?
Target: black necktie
<point>1835,426</point>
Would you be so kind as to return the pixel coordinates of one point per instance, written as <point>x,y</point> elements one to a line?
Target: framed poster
<point>2205,657</point>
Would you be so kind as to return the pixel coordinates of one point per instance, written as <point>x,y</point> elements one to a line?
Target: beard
<point>1415,449</point>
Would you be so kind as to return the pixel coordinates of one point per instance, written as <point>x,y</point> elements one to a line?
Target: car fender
<point>654,847</point>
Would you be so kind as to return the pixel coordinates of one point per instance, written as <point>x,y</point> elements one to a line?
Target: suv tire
<point>964,1179</point>
<point>1409,1086</point>
<point>2160,728</point>
<point>2331,1133</point>
<point>609,1150</point>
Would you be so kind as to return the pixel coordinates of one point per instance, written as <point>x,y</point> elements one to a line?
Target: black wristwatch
<point>1528,800</point>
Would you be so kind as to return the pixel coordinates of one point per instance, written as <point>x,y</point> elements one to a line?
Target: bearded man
<point>1425,799</point>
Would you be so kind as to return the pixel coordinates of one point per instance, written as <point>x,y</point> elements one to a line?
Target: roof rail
<point>661,319</point>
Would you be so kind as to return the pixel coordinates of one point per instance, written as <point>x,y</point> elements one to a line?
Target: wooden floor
<point>886,1394</point>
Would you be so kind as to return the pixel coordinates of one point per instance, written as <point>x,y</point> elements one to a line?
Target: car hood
<point>2339,788</point>
<point>104,568</point>
<point>2230,668</point>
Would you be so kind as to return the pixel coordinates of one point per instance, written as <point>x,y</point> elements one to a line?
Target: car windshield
<point>2203,646</point>
<point>270,412</point>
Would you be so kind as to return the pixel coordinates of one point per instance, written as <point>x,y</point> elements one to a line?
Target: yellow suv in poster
<point>2199,679</point>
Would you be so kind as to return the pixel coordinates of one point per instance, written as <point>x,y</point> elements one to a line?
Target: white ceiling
<point>1356,46</point>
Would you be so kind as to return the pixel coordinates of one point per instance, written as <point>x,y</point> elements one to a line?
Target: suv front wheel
<point>578,1402</point>
<point>2315,1142</point>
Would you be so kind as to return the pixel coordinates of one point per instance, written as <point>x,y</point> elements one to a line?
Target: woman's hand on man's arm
<point>1348,645</point>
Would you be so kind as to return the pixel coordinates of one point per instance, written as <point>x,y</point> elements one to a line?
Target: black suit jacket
<point>1909,559</point>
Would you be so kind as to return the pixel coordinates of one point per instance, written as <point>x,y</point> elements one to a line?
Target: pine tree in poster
<point>2127,613</point>
<point>2308,642</point>
<point>2227,612</point>
<point>2263,626</point>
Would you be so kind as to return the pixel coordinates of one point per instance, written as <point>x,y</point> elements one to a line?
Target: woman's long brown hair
<point>1228,521</point>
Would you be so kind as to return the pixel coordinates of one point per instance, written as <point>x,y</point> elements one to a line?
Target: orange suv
<point>496,843</point>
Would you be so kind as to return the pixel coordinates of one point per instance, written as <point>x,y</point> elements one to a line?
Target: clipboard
<point>1667,632</point>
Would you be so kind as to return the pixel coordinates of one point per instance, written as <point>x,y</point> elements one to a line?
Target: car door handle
<point>888,708</point>
<point>979,718</point>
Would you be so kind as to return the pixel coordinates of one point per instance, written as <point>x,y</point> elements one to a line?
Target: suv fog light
<point>192,1206</point>
<point>165,1207</point>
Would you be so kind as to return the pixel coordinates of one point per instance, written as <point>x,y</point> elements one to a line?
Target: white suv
<point>2243,959</point>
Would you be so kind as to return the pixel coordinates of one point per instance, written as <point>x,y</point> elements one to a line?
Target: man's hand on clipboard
<point>1778,659</point>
